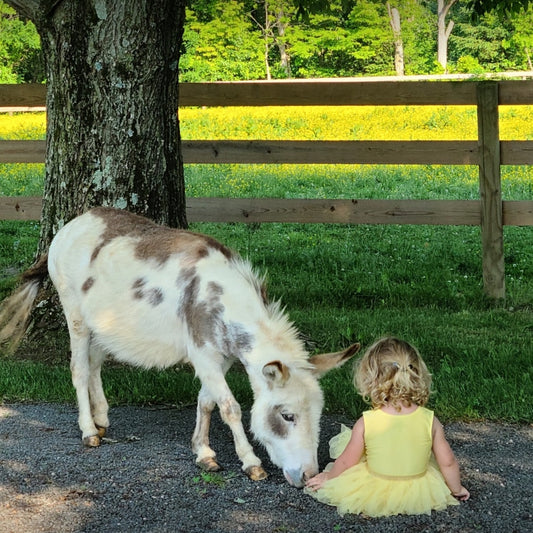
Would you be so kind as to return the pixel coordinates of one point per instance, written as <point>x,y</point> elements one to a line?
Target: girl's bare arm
<point>350,456</point>
<point>447,462</point>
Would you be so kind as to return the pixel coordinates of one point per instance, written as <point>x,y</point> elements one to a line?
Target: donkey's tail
<point>15,310</point>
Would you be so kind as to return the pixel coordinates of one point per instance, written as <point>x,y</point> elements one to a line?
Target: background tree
<point>501,8</point>
<point>255,39</point>
<point>280,14</point>
<point>220,44</point>
<point>480,47</point>
<point>418,37</point>
<point>20,50</point>
<point>346,40</point>
<point>444,29</point>
<point>396,25</point>
<point>519,44</point>
<point>112,100</point>
<point>272,18</point>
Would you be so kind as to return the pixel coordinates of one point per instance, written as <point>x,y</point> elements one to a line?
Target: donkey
<point>154,296</point>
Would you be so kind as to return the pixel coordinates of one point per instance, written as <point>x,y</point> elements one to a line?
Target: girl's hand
<point>317,481</point>
<point>462,495</point>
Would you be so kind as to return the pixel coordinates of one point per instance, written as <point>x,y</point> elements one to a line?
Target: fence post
<point>490,190</point>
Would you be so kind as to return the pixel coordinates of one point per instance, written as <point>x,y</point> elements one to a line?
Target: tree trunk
<point>112,101</point>
<point>394,18</point>
<point>113,131</point>
<point>281,26</point>
<point>444,31</point>
<point>267,31</point>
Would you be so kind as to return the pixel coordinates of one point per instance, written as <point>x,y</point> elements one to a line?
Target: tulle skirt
<point>358,490</point>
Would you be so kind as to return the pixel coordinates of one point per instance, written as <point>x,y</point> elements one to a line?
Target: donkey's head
<point>286,412</point>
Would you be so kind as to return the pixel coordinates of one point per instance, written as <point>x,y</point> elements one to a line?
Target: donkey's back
<point>147,293</point>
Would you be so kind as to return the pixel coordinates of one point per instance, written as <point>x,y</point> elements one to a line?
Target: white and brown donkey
<point>153,297</point>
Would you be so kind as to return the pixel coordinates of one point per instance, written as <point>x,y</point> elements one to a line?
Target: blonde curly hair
<point>392,372</point>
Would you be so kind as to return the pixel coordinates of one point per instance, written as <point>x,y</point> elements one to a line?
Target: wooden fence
<point>488,153</point>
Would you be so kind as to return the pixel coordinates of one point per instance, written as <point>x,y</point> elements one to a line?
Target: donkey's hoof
<point>101,431</point>
<point>256,473</point>
<point>209,464</point>
<point>93,441</point>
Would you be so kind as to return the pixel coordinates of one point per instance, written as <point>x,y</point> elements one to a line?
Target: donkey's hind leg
<point>79,367</point>
<point>99,405</point>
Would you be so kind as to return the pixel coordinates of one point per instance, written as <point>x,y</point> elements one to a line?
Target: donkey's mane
<point>275,312</point>
<point>250,274</point>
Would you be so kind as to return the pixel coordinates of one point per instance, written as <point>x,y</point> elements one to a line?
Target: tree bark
<point>112,101</point>
<point>444,31</point>
<point>394,18</point>
<point>267,33</point>
<point>281,26</point>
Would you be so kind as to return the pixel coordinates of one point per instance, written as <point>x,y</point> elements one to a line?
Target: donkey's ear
<point>276,373</point>
<point>326,361</point>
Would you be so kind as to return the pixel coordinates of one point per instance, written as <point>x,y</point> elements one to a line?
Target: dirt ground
<point>144,479</point>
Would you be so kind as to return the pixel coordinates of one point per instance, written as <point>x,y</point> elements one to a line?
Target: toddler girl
<point>385,465</point>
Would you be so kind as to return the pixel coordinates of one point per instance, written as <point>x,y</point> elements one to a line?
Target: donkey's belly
<point>142,353</point>
<point>137,333</point>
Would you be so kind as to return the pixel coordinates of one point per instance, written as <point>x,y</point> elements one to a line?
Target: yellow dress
<point>397,473</point>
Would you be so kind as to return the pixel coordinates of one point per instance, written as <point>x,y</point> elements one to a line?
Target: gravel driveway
<point>143,479</point>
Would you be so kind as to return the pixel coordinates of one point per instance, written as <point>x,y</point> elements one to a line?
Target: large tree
<point>112,130</point>
<point>112,101</point>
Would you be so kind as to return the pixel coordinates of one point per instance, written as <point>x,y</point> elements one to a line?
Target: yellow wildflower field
<point>317,123</point>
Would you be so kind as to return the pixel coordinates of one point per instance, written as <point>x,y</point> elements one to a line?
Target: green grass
<point>342,284</point>
<point>21,179</point>
<point>351,181</point>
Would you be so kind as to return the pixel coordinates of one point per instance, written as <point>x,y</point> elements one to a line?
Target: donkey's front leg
<point>215,390</point>
<point>205,456</point>
<point>230,411</point>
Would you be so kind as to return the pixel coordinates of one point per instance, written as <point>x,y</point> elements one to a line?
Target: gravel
<point>143,478</point>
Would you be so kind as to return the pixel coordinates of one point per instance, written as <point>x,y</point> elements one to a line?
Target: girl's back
<point>398,445</point>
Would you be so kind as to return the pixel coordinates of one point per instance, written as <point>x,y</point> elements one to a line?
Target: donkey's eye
<point>288,417</point>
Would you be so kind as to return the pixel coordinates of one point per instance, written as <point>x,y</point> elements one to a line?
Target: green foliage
<point>227,40</point>
<point>325,47</point>
<point>223,47</point>
<point>502,9</point>
<point>418,37</point>
<point>483,42</point>
<point>348,38</point>
<point>214,478</point>
<point>468,64</point>
<point>520,43</point>
<point>20,59</point>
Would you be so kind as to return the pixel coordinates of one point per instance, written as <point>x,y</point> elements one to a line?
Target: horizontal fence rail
<point>253,210</point>
<point>313,152</point>
<point>321,92</point>
<point>488,153</point>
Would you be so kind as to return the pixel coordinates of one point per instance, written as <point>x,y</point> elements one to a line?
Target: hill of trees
<point>251,39</point>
